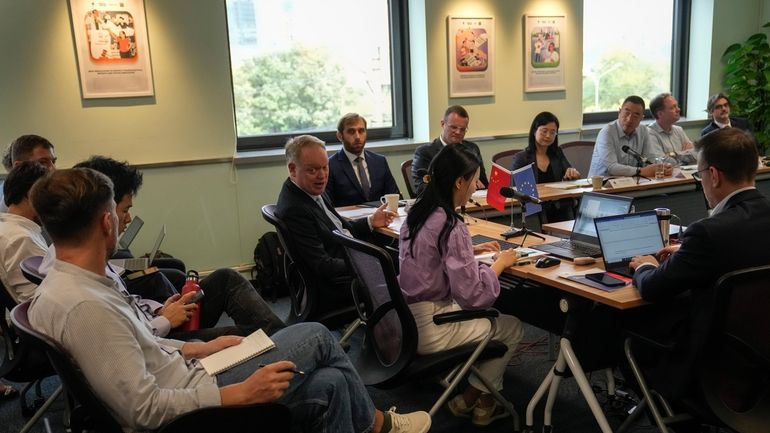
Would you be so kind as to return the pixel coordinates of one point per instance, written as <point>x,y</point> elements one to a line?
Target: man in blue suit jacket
<point>346,185</point>
<point>718,107</point>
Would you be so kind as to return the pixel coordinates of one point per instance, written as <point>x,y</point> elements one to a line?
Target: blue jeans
<point>330,397</point>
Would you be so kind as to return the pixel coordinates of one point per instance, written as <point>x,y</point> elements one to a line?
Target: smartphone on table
<point>605,279</point>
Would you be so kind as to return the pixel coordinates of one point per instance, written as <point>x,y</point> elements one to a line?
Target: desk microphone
<point>509,192</point>
<point>638,156</point>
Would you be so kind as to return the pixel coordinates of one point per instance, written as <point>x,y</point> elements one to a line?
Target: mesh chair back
<point>505,158</point>
<point>391,333</point>
<point>735,374</point>
<point>406,171</point>
<point>303,298</point>
<point>579,154</point>
<point>96,415</point>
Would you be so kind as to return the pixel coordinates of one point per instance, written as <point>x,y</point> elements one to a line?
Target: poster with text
<point>112,49</point>
<point>543,54</point>
<point>471,56</point>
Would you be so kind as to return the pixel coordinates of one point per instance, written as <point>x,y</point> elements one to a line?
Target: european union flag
<point>524,179</point>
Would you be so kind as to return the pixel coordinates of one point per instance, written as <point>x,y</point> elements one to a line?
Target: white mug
<point>391,200</point>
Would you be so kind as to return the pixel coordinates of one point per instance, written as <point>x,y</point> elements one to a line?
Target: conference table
<point>575,297</point>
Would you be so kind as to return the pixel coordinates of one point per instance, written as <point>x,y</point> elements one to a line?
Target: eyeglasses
<point>697,175</point>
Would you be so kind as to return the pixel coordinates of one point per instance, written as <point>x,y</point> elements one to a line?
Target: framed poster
<point>471,56</point>
<point>112,49</point>
<point>543,53</point>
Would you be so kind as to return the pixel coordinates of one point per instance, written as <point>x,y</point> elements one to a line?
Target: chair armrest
<point>463,315</point>
<point>270,417</point>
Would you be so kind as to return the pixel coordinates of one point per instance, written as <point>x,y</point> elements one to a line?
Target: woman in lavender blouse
<point>439,274</point>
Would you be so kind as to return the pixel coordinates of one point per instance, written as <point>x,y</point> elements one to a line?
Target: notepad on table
<point>255,344</point>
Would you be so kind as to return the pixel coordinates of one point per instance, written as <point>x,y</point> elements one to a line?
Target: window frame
<point>680,53</point>
<point>398,21</point>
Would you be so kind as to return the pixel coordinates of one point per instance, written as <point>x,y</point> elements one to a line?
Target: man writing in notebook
<point>147,381</point>
<point>734,236</point>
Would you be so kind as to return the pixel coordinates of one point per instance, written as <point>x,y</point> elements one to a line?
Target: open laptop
<point>140,263</point>
<point>130,234</point>
<point>622,237</point>
<point>583,241</point>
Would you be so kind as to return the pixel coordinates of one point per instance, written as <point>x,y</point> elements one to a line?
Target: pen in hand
<point>295,371</point>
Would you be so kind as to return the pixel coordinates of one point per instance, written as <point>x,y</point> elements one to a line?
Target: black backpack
<point>268,274</point>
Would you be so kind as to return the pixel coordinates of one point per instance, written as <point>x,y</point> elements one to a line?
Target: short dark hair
<point>125,179</point>
<point>713,101</point>
<point>21,149</point>
<point>20,180</point>
<point>658,103</point>
<point>69,201</point>
<point>348,118</point>
<point>731,151</point>
<point>634,100</point>
<point>457,109</point>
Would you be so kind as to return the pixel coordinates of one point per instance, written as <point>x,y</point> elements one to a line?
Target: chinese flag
<point>498,178</point>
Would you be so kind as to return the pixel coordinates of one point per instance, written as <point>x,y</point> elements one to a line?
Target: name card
<point>621,182</point>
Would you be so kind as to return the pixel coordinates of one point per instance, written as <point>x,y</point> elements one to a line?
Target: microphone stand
<point>513,231</point>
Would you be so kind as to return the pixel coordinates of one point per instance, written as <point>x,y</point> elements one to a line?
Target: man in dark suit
<point>311,218</point>
<point>454,125</point>
<point>718,107</point>
<point>735,236</point>
<point>357,175</point>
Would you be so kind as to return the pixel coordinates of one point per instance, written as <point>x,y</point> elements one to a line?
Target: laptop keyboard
<point>504,245</point>
<point>575,246</point>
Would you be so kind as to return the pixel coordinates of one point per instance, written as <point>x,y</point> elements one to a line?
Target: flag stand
<point>513,231</point>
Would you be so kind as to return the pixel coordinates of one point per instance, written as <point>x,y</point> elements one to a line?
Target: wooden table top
<point>622,298</point>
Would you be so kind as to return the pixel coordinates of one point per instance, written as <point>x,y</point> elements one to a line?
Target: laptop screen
<point>130,234</point>
<point>595,205</point>
<point>624,236</point>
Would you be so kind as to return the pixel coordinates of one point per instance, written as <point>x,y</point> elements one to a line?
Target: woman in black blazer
<point>550,164</point>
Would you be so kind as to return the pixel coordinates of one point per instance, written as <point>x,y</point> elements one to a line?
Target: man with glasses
<point>609,159</point>
<point>454,125</point>
<point>718,108</point>
<point>679,282</point>
<point>665,136</point>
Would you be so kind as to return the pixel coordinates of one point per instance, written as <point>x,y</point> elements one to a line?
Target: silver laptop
<point>623,237</point>
<point>583,241</point>
<point>140,263</point>
<point>130,234</point>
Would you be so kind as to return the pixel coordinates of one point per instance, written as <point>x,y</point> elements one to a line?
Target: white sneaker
<point>415,422</point>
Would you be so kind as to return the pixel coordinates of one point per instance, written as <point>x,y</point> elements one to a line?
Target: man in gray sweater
<point>146,381</point>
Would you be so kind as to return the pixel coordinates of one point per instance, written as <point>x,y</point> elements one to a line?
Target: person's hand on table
<point>486,247</point>
<point>382,217</point>
<point>639,260</point>
<point>666,252</point>
<point>571,174</point>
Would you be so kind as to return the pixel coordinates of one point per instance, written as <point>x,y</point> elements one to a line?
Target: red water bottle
<point>191,285</point>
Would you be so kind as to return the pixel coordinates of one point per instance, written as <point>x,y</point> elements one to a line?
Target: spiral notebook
<point>255,344</point>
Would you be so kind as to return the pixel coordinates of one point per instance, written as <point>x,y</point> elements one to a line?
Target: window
<point>632,48</point>
<point>299,65</point>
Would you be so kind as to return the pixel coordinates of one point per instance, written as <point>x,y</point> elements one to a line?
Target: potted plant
<point>747,81</point>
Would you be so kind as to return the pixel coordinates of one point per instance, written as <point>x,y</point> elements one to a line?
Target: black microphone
<point>639,157</point>
<point>509,192</point>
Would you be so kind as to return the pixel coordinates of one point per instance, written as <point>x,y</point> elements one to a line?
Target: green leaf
<point>731,49</point>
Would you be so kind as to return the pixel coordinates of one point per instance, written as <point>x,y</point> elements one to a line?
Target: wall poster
<point>112,49</point>
<point>543,55</point>
<point>471,56</point>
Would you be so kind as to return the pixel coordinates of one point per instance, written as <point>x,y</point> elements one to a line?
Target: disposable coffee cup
<point>392,201</point>
<point>596,182</point>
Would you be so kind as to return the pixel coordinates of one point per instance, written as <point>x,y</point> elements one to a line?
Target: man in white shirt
<point>669,139</point>
<point>20,233</point>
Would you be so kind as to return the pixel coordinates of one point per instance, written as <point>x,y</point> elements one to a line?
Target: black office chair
<point>406,172</point>
<point>91,414</point>
<point>389,356</point>
<point>505,158</point>
<point>30,268</point>
<point>732,368</point>
<point>26,364</point>
<point>579,155</point>
<point>302,282</point>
